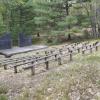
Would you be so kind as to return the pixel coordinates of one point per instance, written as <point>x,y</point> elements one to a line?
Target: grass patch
<point>80,80</point>
<point>63,88</point>
<point>93,58</point>
<point>25,95</point>
<point>3,97</point>
<point>3,89</point>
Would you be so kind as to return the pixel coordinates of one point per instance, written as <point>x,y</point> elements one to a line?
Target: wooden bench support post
<point>47,65</point>
<point>91,50</point>
<point>86,47</point>
<point>78,50</point>
<point>55,57</point>
<point>71,56</point>
<point>15,69</point>
<point>83,52</point>
<point>5,67</point>
<point>32,70</point>
<point>51,52</point>
<point>96,48</point>
<point>82,47</point>
<point>59,61</point>
<point>68,50</point>
<point>46,53</point>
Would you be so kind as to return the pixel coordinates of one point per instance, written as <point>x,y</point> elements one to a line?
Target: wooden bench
<point>57,56</point>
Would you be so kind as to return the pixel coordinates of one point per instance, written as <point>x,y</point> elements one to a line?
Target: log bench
<point>32,62</point>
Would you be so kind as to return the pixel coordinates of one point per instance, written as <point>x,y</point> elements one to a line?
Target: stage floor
<point>17,50</point>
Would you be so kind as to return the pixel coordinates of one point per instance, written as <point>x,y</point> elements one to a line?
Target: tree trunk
<point>67,8</point>
<point>69,37</point>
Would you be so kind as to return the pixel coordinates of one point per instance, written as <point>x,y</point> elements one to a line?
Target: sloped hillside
<point>79,80</point>
<point>76,80</point>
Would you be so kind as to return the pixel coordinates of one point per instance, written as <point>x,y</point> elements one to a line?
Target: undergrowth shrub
<point>3,89</point>
<point>3,97</point>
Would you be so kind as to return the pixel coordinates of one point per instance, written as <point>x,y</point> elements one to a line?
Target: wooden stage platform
<point>18,50</point>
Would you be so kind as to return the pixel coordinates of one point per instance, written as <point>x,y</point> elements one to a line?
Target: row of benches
<point>47,59</point>
<point>15,60</point>
<point>46,52</point>
<point>52,55</point>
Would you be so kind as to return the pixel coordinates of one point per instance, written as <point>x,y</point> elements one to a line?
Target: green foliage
<point>71,20</point>
<point>24,95</point>
<point>44,16</point>
<point>75,30</point>
<point>3,89</point>
<point>3,97</point>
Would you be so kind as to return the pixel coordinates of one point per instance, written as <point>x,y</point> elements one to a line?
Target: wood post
<point>93,44</point>
<point>46,63</point>
<point>75,44</point>
<point>36,59</point>
<point>5,67</point>
<point>59,58</point>
<point>86,47</point>
<point>71,56</point>
<point>78,50</point>
<point>96,48</point>
<point>60,51</point>
<point>15,69</point>
<point>33,69</point>
<point>68,50</point>
<point>51,52</point>
<point>82,47</point>
<point>55,57</point>
<point>83,52</point>
<point>46,53</point>
<point>59,61</point>
<point>90,48</point>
